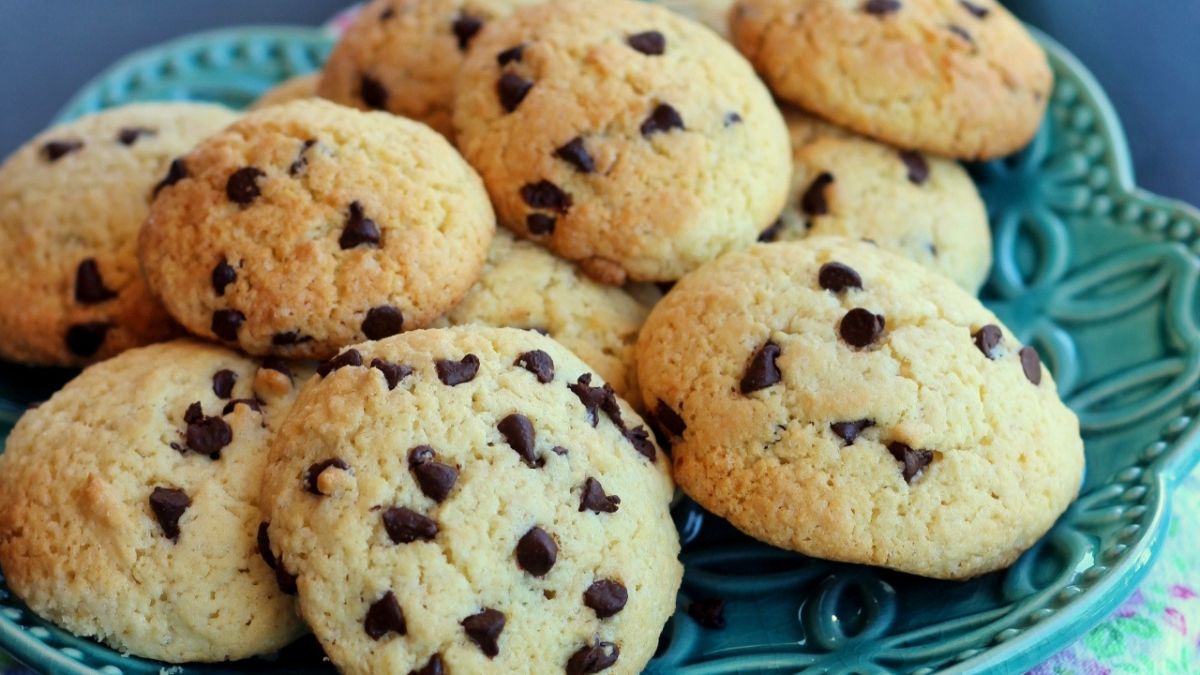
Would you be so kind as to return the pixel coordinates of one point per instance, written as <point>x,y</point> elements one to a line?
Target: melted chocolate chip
<point>640,438</point>
<point>546,195</point>
<point>392,372</point>
<point>1031,364</point>
<point>575,154</point>
<point>881,7</point>
<point>975,10</point>
<point>264,545</point>
<point>348,358</point>
<point>772,231</point>
<point>435,479</point>
<point>849,431</point>
<point>373,92</point>
<point>912,461</point>
<point>540,224</point>
<point>434,666</point>
<point>465,27</point>
<point>253,404</point>
<point>222,383</point>
<point>242,187</point>
<point>285,580</point>
<point>510,55</point>
<point>606,597</point>
<point>594,498</point>
<point>763,370</point>
<point>591,397</point>
<point>312,477</point>
<point>539,363</point>
<point>301,161</point>
<point>289,338</point>
<point>836,277</point>
<point>512,89</point>
<point>813,202</point>
<point>277,364</point>
<point>206,435</point>
<point>405,526</point>
<point>484,629</point>
<point>385,616</point>
<point>56,150</point>
<point>89,287</point>
<point>168,505</point>
<point>226,323</point>
<point>175,173</point>
<point>593,658</point>
<point>918,167</point>
<point>85,339</point>
<point>382,321</point>
<point>223,275</point>
<point>518,432</point>
<point>709,613</point>
<point>650,43</point>
<point>453,373</point>
<point>194,413</point>
<point>130,135</point>
<point>732,118</point>
<point>359,229</point>
<point>537,552</point>
<point>669,419</point>
<point>987,339</point>
<point>860,328</point>
<point>663,119</point>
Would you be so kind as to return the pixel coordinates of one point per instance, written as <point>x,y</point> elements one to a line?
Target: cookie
<point>711,13</point>
<point>922,207</point>
<point>129,505</point>
<point>308,226</point>
<point>960,78</point>
<point>621,136</point>
<point>829,397</point>
<point>402,56</point>
<point>471,500</point>
<point>71,202</point>
<point>524,286</point>
<point>295,88</point>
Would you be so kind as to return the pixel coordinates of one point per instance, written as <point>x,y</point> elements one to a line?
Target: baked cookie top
<point>308,226</point>
<point>871,413</point>
<point>71,202</point>
<point>621,136</point>
<point>961,78</point>
<point>473,499</point>
<point>129,504</point>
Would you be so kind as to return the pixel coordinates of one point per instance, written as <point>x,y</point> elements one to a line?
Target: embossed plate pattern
<point>1100,276</point>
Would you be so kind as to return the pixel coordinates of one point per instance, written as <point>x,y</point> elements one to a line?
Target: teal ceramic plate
<point>1100,276</point>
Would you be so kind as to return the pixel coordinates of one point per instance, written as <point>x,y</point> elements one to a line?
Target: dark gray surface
<point>1145,54</point>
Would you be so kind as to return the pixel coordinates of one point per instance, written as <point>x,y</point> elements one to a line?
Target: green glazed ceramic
<point>1100,276</point>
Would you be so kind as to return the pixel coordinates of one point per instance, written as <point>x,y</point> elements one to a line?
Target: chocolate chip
<point>987,339</point>
<point>709,613</point>
<point>226,323</point>
<point>511,54</point>
<point>348,358</point>
<point>453,373</point>
<point>301,162</point>
<point>591,397</point>
<point>518,432</point>
<point>465,27</point>
<point>732,118</point>
<point>312,477</point>
<point>512,89</point>
<point>373,92</point>
<point>546,195</point>
<point>912,461</point>
<point>285,580</point>
<point>772,231</point>
<point>537,552</point>
<point>669,419</point>
<point>387,14</point>
<point>289,338</point>
<point>849,431</point>
<point>194,413</point>
<point>836,277</point>
<point>242,186</point>
<point>130,135</point>
<point>763,370</point>
<point>606,597</point>
<point>813,202</point>
<point>434,666</point>
<point>385,616</point>
<point>223,275</point>
<point>206,435</point>
<point>484,629</point>
<point>277,364</point>
<point>540,224</point>
<point>575,154</point>
<point>593,658</point>
<point>961,32</point>
<point>861,328</point>
<point>253,404</point>
<point>881,7</point>
<point>85,339</point>
<point>594,498</point>
<point>359,229</point>
<point>168,505</point>
<point>977,11</point>
<point>264,545</point>
<point>382,321</point>
<point>1031,364</point>
<point>435,479</point>
<point>559,450</point>
<point>663,119</point>
<point>89,287</point>
<point>223,381</point>
<point>405,526</point>
<point>175,173</point>
<point>392,372</point>
<point>918,167</point>
<point>650,43</point>
<point>539,363</point>
<point>56,150</point>
<point>640,438</point>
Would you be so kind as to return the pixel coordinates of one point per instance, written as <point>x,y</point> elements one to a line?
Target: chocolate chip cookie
<point>295,88</point>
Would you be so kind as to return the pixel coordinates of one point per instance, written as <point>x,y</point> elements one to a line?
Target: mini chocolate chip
<point>814,202</point>
<point>435,479</point>
<point>207,435</point>
<point>518,432</point>
<point>591,397</point>
<point>663,119</point>
<point>405,526</point>
<point>594,498</point>
<point>56,150</point>
<point>301,162</point>
<point>593,658</point>
<point>382,321</point>
<point>277,364</point>
<point>511,54</point>
<point>359,229</point>
<point>373,92</point>
<point>253,404</point>
<point>264,544</point>
<point>348,358</point>
<point>709,613</point>
<point>669,419</point>
<point>392,372</point>
<point>312,477</point>
<point>223,275</point>
<point>881,7</point>
<point>537,552</point>
<point>453,373</point>
<point>546,195</point>
<point>763,370</point>
<point>772,231</point>
<point>918,167</point>
<point>836,277</point>
<point>226,323</point>
<point>732,118</point>
<point>975,10</point>
<point>484,629</point>
<point>606,597</point>
<point>385,616</point>
<point>987,339</point>
<point>242,186</point>
<point>961,32</point>
<point>539,363</point>
<point>89,287</point>
<point>285,580</point>
<point>640,438</point>
<point>168,505</point>
<point>85,339</point>
<point>861,328</point>
<point>175,173</point>
<point>512,89</point>
<point>223,381</point>
<point>540,224</point>
<point>465,27</point>
<point>849,431</point>
<point>130,135</point>
<point>650,43</point>
<point>1031,364</point>
<point>434,666</point>
<point>289,338</point>
<point>912,461</point>
<point>575,154</point>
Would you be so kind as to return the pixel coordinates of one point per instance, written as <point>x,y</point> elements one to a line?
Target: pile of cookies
<point>323,393</point>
